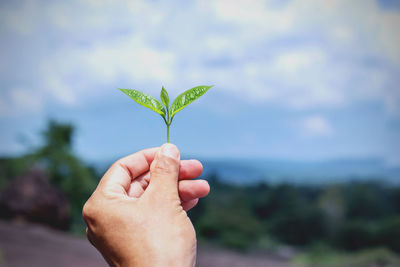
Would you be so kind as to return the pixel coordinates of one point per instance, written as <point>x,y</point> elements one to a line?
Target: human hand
<point>136,216</point>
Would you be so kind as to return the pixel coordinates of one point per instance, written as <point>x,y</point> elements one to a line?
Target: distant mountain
<point>318,172</point>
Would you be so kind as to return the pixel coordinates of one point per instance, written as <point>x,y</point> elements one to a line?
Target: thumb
<point>164,171</point>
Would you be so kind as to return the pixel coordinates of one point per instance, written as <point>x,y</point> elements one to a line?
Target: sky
<point>293,79</point>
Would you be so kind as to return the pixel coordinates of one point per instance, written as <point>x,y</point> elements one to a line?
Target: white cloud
<point>300,54</point>
<point>315,126</point>
<point>19,101</point>
<point>105,64</point>
<point>297,61</point>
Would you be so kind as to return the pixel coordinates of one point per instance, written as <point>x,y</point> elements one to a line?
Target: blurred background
<point>299,137</point>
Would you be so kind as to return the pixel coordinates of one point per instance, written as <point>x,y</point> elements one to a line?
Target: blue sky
<point>303,80</point>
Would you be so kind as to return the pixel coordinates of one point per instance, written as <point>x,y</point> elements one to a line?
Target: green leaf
<point>145,100</point>
<point>164,97</point>
<point>186,98</point>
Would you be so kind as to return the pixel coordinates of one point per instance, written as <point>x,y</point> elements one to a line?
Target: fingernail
<point>170,150</point>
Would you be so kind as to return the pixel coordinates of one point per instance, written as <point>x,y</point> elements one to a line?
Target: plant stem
<point>167,133</point>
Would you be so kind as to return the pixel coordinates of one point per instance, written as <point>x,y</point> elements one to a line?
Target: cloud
<point>296,54</point>
<point>126,59</point>
<point>19,101</point>
<point>315,126</point>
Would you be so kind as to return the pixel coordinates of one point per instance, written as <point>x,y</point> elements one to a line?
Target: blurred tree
<point>366,200</point>
<point>13,167</point>
<point>332,205</point>
<point>343,216</point>
<point>389,233</point>
<point>395,199</point>
<point>355,235</point>
<point>291,214</point>
<point>227,218</point>
<point>64,168</point>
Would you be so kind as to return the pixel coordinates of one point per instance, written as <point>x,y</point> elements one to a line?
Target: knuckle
<point>88,212</point>
<point>166,165</point>
<point>116,165</point>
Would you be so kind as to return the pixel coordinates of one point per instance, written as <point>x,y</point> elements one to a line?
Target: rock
<point>32,198</point>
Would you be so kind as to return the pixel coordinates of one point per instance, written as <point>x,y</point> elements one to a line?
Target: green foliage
<point>229,221</point>
<point>145,100</point>
<point>13,167</point>
<point>167,112</point>
<point>326,257</point>
<point>64,169</point>
<point>389,233</point>
<point>355,235</point>
<point>164,97</point>
<point>244,217</point>
<point>373,257</point>
<point>58,136</point>
<point>366,201</point>
<point>186,98</point>
<point>290,214</point>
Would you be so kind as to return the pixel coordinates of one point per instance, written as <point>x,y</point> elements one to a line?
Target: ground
<point>32,245</point>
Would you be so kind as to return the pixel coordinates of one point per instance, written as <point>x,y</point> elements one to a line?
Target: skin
<point>137,214</point>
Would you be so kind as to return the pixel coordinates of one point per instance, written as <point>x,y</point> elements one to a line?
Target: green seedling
<point>163,108</point>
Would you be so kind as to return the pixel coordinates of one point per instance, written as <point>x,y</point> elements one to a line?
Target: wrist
<point>157,260</point>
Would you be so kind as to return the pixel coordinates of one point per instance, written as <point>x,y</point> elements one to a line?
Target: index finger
<point>118,177</point>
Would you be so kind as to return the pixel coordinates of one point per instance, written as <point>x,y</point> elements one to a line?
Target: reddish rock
<point>31,197</point>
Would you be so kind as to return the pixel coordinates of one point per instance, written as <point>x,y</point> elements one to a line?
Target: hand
<point>137,217</point>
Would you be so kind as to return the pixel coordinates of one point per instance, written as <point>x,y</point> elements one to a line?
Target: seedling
<point>167,112</point>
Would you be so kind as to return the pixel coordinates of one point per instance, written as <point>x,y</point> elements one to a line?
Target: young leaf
<point>164,97</point>
<point>145,100</point>
<point>186,98</point>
